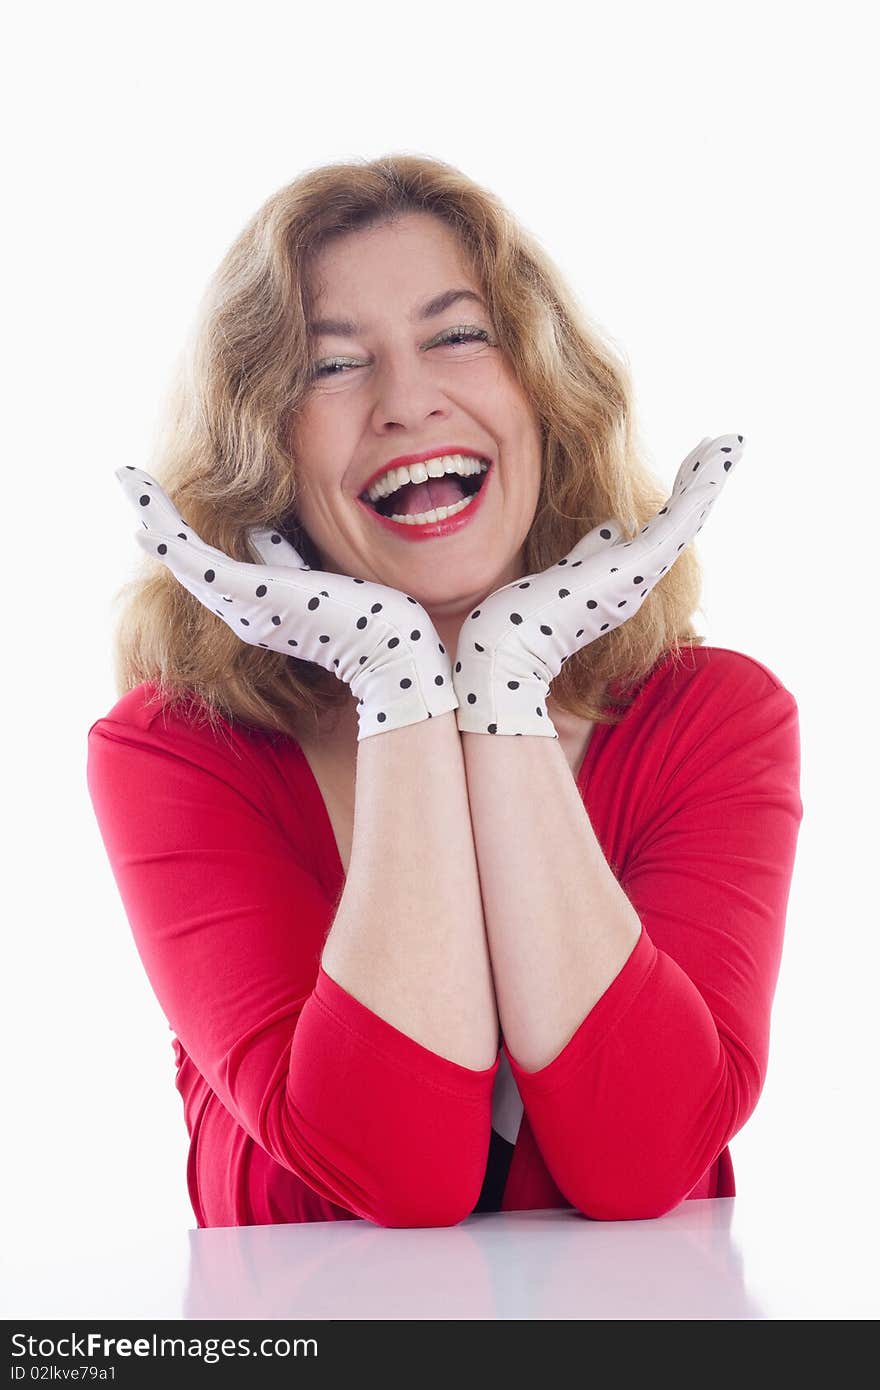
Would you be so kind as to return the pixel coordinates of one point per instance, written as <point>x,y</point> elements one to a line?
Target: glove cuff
<point>399,694</point>
<point>511,707</point>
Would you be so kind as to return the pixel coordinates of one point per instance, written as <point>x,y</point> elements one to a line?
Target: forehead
<point>412,254</point>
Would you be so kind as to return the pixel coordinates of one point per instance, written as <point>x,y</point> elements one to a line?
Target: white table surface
<point>719,1259</point>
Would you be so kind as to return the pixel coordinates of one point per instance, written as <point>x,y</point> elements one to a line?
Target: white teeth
<point>462,464</point>
<point>437,514</point>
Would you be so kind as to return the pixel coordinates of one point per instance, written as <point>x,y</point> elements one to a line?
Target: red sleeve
<point>229,920</point>
<point>670,1062</point>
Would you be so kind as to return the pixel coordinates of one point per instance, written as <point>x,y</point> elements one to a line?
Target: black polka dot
<point>513,685</point>
<point>292,642</point>
<point>414,635</point>
<point>376,608</point>
<point>323,638</point>
<point>591,603</point>
<point>547,631</point>
<point>209,576</point>
<point>605,534</point>
<point>516,618</point>
<point>405,683</point>
<point>493,728</point>
<point>563,593</point>
<point>275,538</point>
<point>163,549</point>
<point>524,586</point>
<point>639,579</point>
<point>244,622</point>
<point>381,718</point>
<point>144,501</point>
<point>438,680</point>
<point>261,591</point>
<point>478,648</point>
<point>476,615</point>
<point>361,623</point>
<point>458,665</point>
<point>313,604</point>
<point>394,641</point>
<point>276,620</point>
<point>472,699</point>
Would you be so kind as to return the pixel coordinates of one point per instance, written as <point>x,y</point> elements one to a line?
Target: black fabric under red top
<point>303,1105</point>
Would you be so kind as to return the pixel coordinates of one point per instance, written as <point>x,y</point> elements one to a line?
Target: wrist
<point>398,688</point>
<point>509,705</point>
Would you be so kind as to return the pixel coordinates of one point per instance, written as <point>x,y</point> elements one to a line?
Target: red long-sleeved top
<point>303,1105</point>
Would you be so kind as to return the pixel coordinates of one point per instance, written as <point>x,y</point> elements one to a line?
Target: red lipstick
<point>431,530</point>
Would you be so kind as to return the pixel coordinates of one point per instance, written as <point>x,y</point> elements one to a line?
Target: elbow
<point>630,1196</point>
<point>640,1205</point>
<point>639,1175</point>
<point>426,1208</point>
<point>421,1214</point>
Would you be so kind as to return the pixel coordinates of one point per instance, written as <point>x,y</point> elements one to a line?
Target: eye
<point>327,368</point>
<point>465,332</point>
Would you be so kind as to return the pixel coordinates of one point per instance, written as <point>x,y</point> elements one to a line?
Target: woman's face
<point>389,385</point>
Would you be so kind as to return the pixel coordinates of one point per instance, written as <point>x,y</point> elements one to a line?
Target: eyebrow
<point>346,328</point>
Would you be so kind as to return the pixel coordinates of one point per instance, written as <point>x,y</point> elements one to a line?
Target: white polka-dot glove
<point>377,640</point>
<point>513,645</point>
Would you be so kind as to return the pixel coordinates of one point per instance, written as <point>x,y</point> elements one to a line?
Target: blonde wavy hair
<point>223,454</point>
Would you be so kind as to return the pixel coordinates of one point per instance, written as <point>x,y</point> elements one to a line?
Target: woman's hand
<point>377,640</point>
<point>514,644</point>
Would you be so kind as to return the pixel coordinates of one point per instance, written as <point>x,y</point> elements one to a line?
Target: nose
<point>407,391</point>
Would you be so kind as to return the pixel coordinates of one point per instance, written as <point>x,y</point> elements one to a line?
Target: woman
<point>361,842</point>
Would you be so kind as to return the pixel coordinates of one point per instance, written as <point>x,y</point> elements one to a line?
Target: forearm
<point>559,926</point>
<point>408,939</point>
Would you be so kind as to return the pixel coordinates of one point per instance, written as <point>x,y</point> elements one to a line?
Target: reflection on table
<point>524,1265</point>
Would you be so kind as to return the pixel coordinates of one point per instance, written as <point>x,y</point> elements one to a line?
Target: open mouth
<point>430,501</point>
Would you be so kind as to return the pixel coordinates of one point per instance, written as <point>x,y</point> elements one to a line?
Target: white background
<point>702,174</point>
